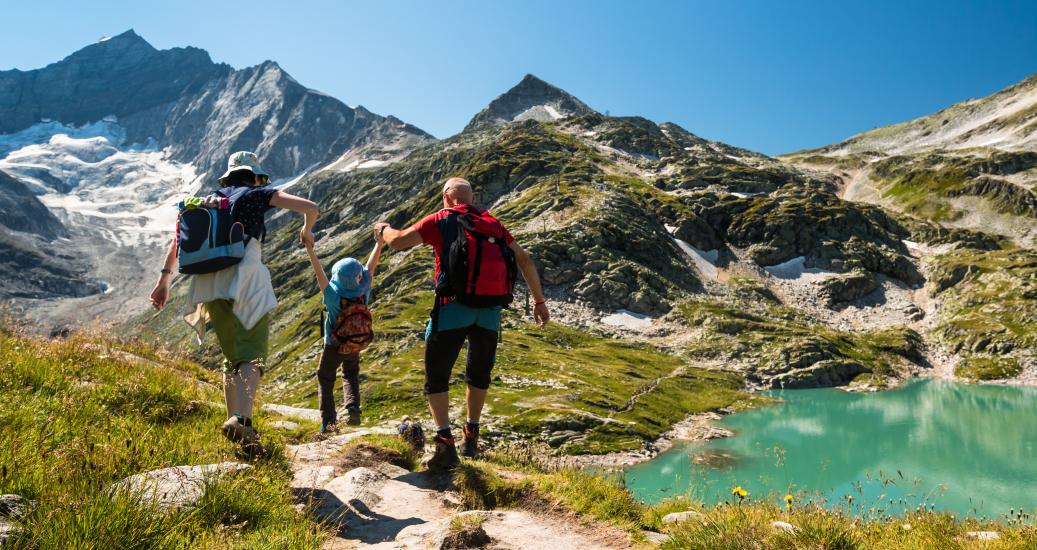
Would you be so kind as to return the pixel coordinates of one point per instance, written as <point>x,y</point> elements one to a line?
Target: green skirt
<point>238,345</point>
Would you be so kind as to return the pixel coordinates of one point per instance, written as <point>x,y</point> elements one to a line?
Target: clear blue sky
<point>771,76</point>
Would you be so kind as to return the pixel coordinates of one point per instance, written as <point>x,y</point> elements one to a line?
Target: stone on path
<point>983,535</point>
<point>678,517</point>
<point>656,539</point>
<point>507,529</point>
<point>784,526</point>
<point>177,486</point>
<point>300,413</point>
<point>286,425</point>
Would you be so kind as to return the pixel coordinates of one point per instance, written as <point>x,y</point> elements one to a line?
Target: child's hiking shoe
<point>445,458</point>
<point>328,427</point>
<point>354,416</point>
<point>470,440</point>
<point>411,433</point>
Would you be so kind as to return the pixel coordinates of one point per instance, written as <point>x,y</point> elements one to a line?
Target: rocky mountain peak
<point>531,98</point>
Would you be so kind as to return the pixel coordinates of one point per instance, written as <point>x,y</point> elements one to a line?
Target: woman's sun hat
<point>244,160</point>
<point>350,279</point>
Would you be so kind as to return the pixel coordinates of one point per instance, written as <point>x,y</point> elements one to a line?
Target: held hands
<point>540,314</point>
<point>379,232</point>
<point>306,238</point>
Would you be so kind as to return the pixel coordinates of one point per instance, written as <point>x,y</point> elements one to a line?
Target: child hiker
<point>347,331</point>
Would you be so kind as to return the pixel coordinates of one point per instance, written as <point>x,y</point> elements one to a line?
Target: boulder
<point>982,535</point>
<point>680,517</point>
<point>175,487</point>
<point>15,506</point>
<point>824,374</point>
<point>784,526</point>
<point>655,539</point>
<point>847,287</point>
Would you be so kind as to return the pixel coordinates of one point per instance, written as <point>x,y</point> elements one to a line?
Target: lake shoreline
<point>694,427</point>
<point>701,427</point>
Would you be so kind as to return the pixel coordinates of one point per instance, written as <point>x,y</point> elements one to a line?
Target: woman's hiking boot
<point>412,433</point>
<point>470,440</point>
<point>251,447</point>
<point>445,457</point>
<point>354,416</point>
<point>234,429</point>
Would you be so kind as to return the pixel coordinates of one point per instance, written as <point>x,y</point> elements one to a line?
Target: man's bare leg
<point>439,406</point>
<point>474,400</point>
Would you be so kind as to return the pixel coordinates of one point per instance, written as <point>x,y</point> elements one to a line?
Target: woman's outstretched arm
<point>306,207</point>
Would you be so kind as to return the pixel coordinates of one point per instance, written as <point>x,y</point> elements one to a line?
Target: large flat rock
<point>176,486</point>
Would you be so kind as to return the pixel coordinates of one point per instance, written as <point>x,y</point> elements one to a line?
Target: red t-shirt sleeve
<point>428,228</point>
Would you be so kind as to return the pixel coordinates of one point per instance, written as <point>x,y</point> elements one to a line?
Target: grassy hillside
<point>77,415</point>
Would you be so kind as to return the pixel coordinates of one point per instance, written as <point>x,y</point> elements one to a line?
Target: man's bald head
<point>457,191</point>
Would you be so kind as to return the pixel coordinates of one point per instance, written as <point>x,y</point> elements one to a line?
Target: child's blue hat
<point>350,279</point>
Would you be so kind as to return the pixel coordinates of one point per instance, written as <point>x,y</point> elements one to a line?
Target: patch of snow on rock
<point>795,269</point>
<point>705,261</point>
<point>627,319</point>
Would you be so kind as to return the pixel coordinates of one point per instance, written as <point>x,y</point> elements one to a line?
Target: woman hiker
<point>237,300</point>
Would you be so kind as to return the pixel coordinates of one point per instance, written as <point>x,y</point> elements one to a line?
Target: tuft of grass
<point>482,488</point>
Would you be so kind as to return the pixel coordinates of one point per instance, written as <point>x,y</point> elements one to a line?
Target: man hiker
<point>476,260</point>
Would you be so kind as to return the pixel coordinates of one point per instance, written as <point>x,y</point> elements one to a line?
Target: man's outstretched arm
<point>529,272</point>
<point>397,239</point>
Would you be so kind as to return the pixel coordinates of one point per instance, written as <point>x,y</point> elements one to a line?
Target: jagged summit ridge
<point>531,98</point>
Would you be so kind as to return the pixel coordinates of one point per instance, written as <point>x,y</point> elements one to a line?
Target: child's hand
<point>379,232</point>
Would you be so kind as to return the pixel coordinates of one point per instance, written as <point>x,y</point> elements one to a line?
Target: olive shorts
<point>238,345</point>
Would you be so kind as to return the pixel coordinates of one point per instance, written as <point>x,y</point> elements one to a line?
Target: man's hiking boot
<point>412,433</point>
<point>354,416</point>
<point>470,440</point>
<point>445,458</point>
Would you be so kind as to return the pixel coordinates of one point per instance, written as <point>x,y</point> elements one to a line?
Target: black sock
<point>444,432</point>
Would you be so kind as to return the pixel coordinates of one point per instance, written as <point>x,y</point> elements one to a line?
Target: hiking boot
<point>470,440</point>
<point>251,447</point>
<point>327,427</point>
<point>233,429</point>
<point>354,416</point>
<point>445,458</point>
<point>411,433</point>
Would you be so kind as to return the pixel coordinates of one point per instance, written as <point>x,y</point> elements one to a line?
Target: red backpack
<point>353,331</point>
<point>478,269</point>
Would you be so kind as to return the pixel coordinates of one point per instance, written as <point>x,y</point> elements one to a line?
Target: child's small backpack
<point>208,238</point>
<point>353,329</point>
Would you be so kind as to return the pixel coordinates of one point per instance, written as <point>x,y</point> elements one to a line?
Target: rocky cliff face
<point>973,164</point>
<point>113,135</point>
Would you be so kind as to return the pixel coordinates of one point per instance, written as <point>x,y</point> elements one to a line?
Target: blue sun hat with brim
<point>350,279</point>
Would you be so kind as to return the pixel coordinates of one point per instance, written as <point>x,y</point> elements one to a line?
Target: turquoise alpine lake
<point>967,449</point>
